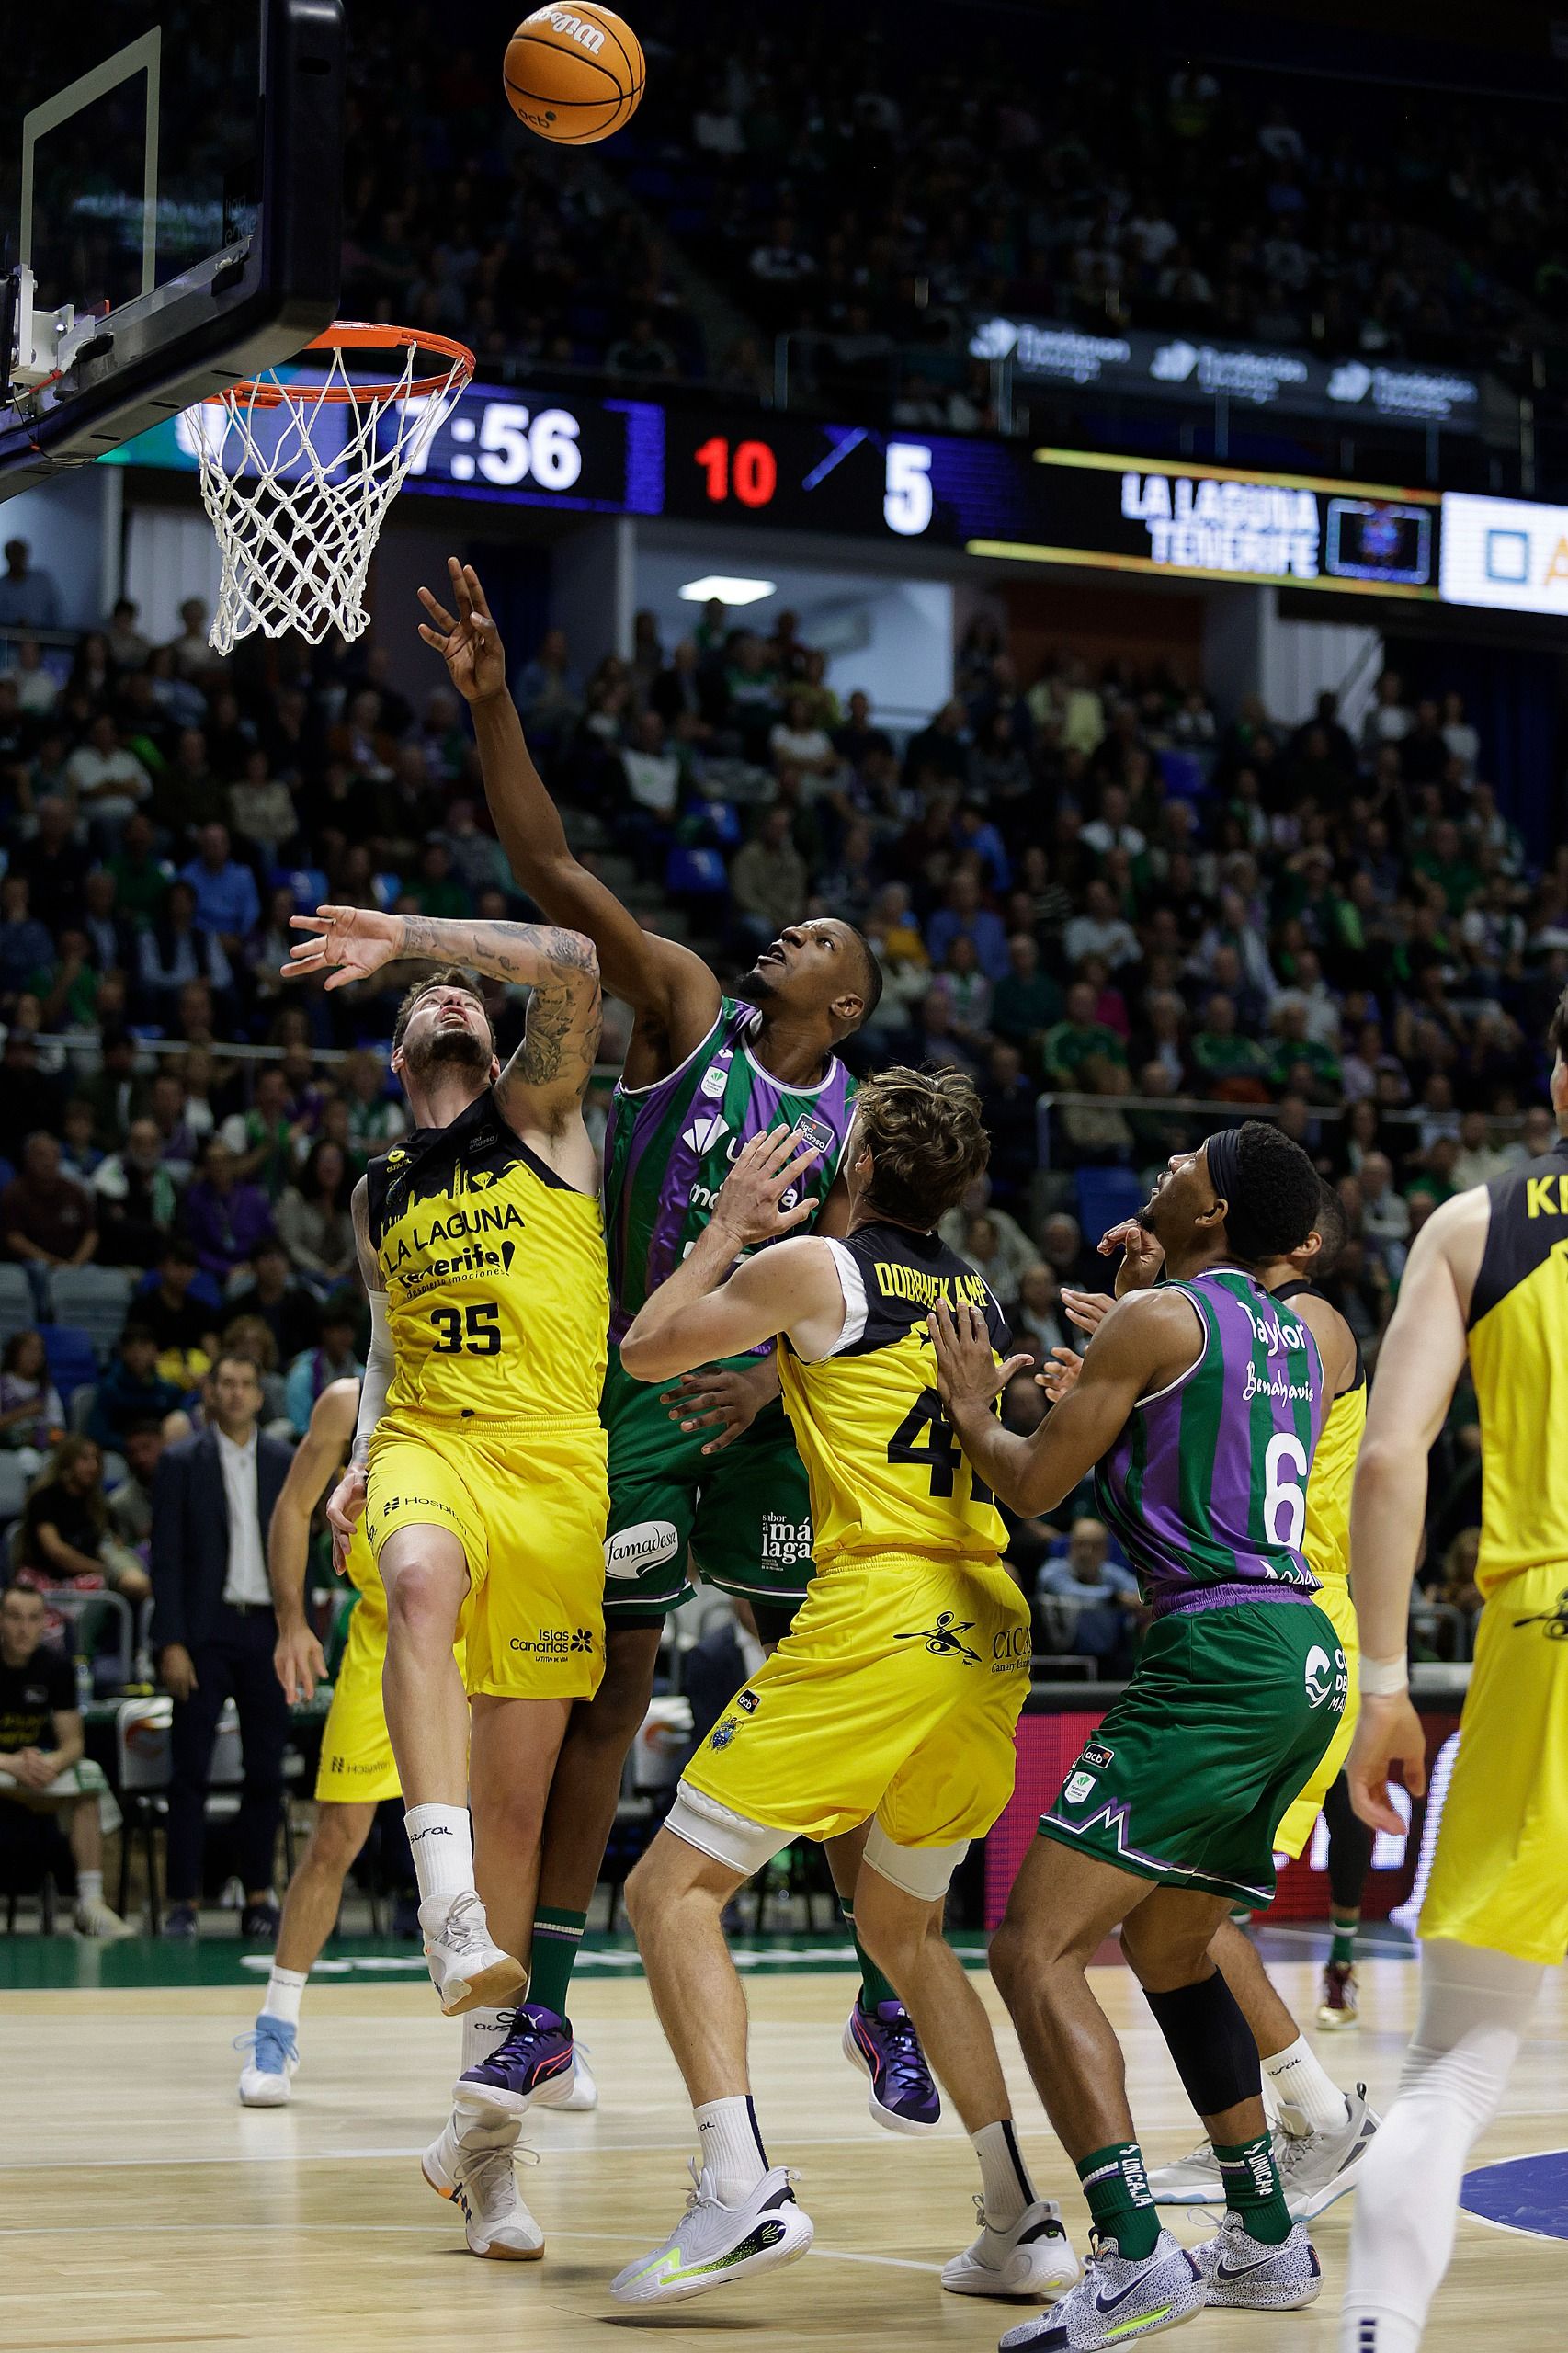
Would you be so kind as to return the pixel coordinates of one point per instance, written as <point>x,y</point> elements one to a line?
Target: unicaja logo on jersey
<point>706,1132</point>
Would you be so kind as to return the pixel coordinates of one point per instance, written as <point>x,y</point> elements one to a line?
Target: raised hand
<point>1059,1375</point>
<point>1087,1310</point>
<point>1142,1255</point>
<point>468,642</point>
<point>356,941</point>
<point>750,1206</point>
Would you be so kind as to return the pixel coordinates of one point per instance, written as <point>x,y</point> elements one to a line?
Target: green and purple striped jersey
<point>1206,1486</point>
<point>668,1149</point>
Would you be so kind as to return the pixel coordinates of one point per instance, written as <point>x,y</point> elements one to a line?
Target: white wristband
<point>1384,1678</point>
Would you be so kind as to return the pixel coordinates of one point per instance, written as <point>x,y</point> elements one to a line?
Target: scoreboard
<point>966,493</point>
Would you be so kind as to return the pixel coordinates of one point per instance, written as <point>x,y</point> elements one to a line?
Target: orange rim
<point>359,335</point>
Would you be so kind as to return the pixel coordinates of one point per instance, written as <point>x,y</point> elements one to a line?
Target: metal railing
<point>1187,1118</point>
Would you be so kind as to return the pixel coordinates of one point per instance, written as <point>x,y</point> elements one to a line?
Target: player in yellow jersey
<point>1487,1278</point>
<point>479,1456</point>
<point>357,1769</point>
<point>895,1695</point>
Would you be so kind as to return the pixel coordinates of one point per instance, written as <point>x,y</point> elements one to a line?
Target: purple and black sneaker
<point>534,2061</point>
<point>883,2044</point>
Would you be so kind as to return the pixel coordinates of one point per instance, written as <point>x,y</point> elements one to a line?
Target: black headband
<point>1222,1151</point>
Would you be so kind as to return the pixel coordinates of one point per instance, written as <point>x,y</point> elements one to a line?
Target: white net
<point>297,486</point>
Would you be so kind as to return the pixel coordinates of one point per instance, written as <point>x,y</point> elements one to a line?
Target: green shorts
<point>744,1516</point>
<point>1191,1773</point>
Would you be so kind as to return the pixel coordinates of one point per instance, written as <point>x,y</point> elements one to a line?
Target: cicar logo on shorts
<point>642,1546</point>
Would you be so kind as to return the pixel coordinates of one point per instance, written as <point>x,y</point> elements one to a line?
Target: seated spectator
<point>769,881</point>
<point>137,1198</point>
<point>43,1766</point>
<point>264,1140</point>
<point>548,693</point>
<point>332,1359</point>
<point>1017,1251</point>
<point>651,768</point>
<point>1101,1595</point>
<point>1478,1160</point>
<point>47,1218</point>
<point>134,1390</point>
<point>31,1415</point>
<point>796,741</point>
<point>174,950</point>
<point>290,1309</point>
<point>227,904</point>
<point>1037,1322</point>
<point>1007,1104</point>
<point>1226,1065</point>
<point>376,1118</point>
<point>27,946</point>
<point>968,993</point>
<point>224,1216</point>
<point>66,1542</point>
<point>261,807</point>
<point>131,1503</point>
<point>1072,1042</point>
<point>107,781</point>
<point>963,910</point>
<point>1026,1001</point>
<point>179,1304</point>
<point>314,1220</point>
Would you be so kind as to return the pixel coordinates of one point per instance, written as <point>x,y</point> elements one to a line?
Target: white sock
<point>1270,2102</point>
<point>1475,2006</point>
<point>484,2032</point>
<point>285,1991</point>
<point>89,1887</point>
<point>441,1843</point>
<point>732,2147</point>
<point>1003,2173</point>
<point>1309,2099</point>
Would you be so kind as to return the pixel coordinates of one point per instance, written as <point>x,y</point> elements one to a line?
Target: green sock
<point>874,1986</point>
<point>557,1936</point>
<point>1117,2190</point>
<point>1252,2188</point>
<point>1344,1946</point>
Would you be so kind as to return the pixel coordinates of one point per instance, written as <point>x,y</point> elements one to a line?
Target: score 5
<point>906,501</point>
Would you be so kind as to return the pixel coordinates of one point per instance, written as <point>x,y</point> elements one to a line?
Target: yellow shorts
<point>528,1502</point>
<point>1500,1874</point>
<point>895,1693</point>
<point>356,1765</point>
<point>1293,1833</point>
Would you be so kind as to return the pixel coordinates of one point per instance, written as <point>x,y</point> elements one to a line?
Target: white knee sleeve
<point>731,1838</point>
<point>925,1873</point>
<point>1475,2006</point>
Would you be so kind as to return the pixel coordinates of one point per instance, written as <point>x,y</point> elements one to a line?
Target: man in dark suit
<point>214,1630</point>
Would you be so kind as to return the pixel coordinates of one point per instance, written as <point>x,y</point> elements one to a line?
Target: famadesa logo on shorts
<point>643,1546</point>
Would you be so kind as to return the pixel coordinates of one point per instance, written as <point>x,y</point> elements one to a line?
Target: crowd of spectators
<point>1093,888</point>
<point>876,194</point>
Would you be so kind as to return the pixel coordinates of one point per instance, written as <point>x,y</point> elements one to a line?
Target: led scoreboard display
<point>983,497</point>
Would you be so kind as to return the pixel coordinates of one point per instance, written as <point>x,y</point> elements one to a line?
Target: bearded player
<point>478,1457</point>
<point>704,1074</point>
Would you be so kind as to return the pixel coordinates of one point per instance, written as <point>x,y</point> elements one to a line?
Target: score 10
<point>747,472</point>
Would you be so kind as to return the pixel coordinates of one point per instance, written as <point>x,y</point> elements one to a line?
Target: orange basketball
<point>574,74</point>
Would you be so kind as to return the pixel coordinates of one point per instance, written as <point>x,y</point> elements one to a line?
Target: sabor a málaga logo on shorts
<point>786,1541</point>
<point>553,1643</point>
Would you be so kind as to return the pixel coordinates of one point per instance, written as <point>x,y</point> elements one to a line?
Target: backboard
<point>170,211</point>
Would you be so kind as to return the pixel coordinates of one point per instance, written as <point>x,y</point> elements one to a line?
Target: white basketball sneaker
<point>274,2053</point>
<point>577,2093</point>
<point>468,1968</point>
<point>1317,2168</point>
<point>1244,2274</point>
<point>472,2163</point>
<point>712,2246</point>
<point>94,1918</point>
<point>1033,2256</point>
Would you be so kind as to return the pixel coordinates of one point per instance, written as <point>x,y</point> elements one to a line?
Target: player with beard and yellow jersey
<point>479,1460</point>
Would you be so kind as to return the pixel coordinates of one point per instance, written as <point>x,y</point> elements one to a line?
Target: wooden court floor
<point>142,2206</point>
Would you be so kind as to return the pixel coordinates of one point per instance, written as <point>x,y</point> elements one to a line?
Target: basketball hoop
<point>298,506</point>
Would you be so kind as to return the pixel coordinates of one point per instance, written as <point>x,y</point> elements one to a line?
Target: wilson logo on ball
<point>574,74</point>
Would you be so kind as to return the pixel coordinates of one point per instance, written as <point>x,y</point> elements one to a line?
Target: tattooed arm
<point>543,1085</point>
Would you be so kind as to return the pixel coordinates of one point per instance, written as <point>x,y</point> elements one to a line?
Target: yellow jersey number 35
<point>473,1331</point>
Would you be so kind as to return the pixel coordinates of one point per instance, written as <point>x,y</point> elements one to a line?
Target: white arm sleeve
<point>378,1378</point>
